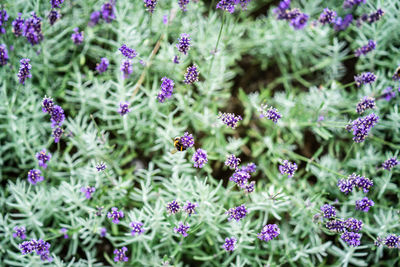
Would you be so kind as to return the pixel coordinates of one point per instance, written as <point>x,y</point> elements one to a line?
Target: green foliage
<point>304,74</point>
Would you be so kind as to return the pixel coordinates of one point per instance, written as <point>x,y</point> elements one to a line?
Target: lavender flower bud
<point>182,229</point>
<point>173,207</point>
<point>337,226</point>
<point>199,158</point>
<point>327,16</point>
<point>167,87</point>
<point>328,211</point>
<point>19,232</point>
<point>237,213</point>
<point>56,3</point>
<point>94,18</point>
<point>182,4</point>
<point>24,70</point>
<point>3,55</point>
<point>137,228</point>
<point>365,103</point>
<point>192,74</point>
<point>88,191</point>
<point>77,37</point>
<point>57,133</point>
<point>190,208</point>
<point>103,65</point>
<point>115,215</point>
<point>392,241</point>
<point>42,157</point>
<point>123,108</point>
<point>34,176</point>
<point>187,140</point>
<point>230,244</point>
<point>150,5</point>
<point>126,68</point>
<point>53,17</point>
<point>108,12</point>
<point>232,162</point>
<point>120,255</point>
<point>365,49</point>
<point>390,163</point>
<point>183,44</point>
<point>364,78</point>
<point>352,239</point>
<point>353,224</point>
<point>269,232</point>
<point>230,119</point>
<point>300,21</point>
<point>288,168</point>
<point>18,25</point>
<point>364,204</point>
<point>128,52</point>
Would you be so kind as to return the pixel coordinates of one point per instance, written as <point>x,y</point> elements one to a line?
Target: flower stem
<point>216,45</point>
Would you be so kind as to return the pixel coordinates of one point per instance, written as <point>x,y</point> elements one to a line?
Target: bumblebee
<point>178,145</point>
<point>396,75</point>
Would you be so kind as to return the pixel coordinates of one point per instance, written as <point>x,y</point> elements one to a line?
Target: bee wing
<point>173,151</point>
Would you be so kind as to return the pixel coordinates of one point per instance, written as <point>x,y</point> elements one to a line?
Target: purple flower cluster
<point>88,191</point>
<point>103,65</point>
<point>115,215</point>
<point>123,108</point>
<point>230,119</point>
<point>187,140</point>
<point>297,19</point>
<point>365,103</point>
<point>327,16</point>
<point>347,4</point>
<point>182,229</point>
<point>137,228</point>
<point>341,24</point>
<point>190,208</point>
<point>199,158</point>
<point>389,93</point>
<point>18,25</point>
<point>24,70</point>
<point>3,19</point>
<point>371,18</point>
<point>39,246</point>
<point>120,254</point>
<point>366,48</point>
<point>183,44</point>
<point>32,29</point>
<point>150,5</point>
<point>77,37</point>
<point>230,244</point>
<point>53,17</point>
<point>336,225</point>
<point>328,211</point>
<point>173,207</point>
<point>240,177</point>
<point>126,68</point>
<point>175,59</point>
<point>43,157</point>
<point>351,238</point>
<point>364,204</point>
<point>347,185</point>
<point>3,55</point>
<point>167,88</point>
<point>101,166</point>
<point>103,232</point>
<point>392,241</point>
<point>19,232</point>
<point>108,12</point>
<point>56,3</point>
<point>288,168</point>
<point>390,163</point>
<point>362,126</point>
<point>353,224</point>
<point>269,232</point>
<point>271,114</point>
<point>57,117</point>
<point>57,134</point>
<point>364,78</point>
<point>192,74</point>
<point>237,213</point>
<point>94,18</point>
<point>128,52</point>
<point>232,162</point>
<point>230,5</point>
<point>64,231</point>
<point>34,176</point>
<point>182,4</point>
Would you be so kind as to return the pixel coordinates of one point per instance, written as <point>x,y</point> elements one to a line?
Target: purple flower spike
<point>232,162</point>
<point>187,140</point>
<point>47,105</point>
<point>342,24</point>
<point>199,158</point>
<point>249,188</point>
<point>19,232</point>
<point>94,18</point>
<point>167,87</point>
<point>353,225</point>
<point>182,229</point>
<point>103,232</point>
<point>365,103</point>
<point>347,4</point>
<point>390,163</point>
<point>18,25</point>
<point>126,68</point>
<point>39,246</point>
<point>3,55</point>
<point>288,168</point>
<point>136,228</point>
<point>42,157</point>
<point>32,29</point>
<point>101,166</point>
<point>230,119</point>
<point>388,93</point>
<point>269,232</point>
<point>190,208</point>
<point>183,44</point>
<point>227,5</point>
<point>327,16</point>
<point>328,211</point>
<point>352,239</point>
<point>271,114</point>
<point>120,254</point>
<point>192,74</point>
<point>123,108</point>
<point>57,116</point>
<point>362,126</point>
<point>3,19</point>
<point>364,78</point>
<point>364,204</point>
<point>77,37</point>
<point>115,215</point>
<point>108,12</point>
<point>230,244</point>
<point>57,134</point>
<point>103,65</point>
<point>24,70</point>
<point>240,177</point>
<point>65,232</point>
<point>34,176</point>
<point>182,4</point>
<point>392,241</point>
<point>175,60</point>
<point>337,226</point>
<point>173,207</point>
<point>300,21</point>
<point>128,52</point>
<point>53,17</point>
<point>56,3</point>
<point>88,191</point>
<point>150,5</point>
<point>237,213</point>
<point>365,49</point>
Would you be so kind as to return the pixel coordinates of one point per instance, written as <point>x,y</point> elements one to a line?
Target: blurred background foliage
<point>305,74</point>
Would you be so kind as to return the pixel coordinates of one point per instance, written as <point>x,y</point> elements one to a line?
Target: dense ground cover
<point>304,93</point>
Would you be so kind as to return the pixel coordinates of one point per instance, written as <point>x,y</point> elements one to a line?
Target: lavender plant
<point>257,91</point>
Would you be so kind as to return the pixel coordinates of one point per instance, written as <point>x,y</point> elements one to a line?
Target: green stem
<point>216,45</point>
<point>348,152</point>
